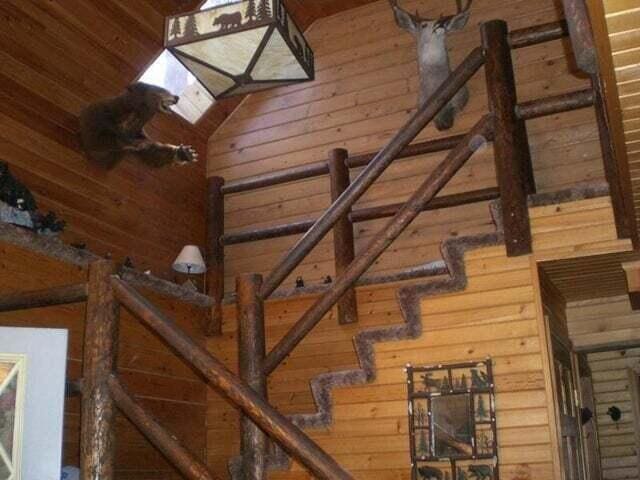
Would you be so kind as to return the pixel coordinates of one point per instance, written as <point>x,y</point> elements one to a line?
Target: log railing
<point>102,392</point>
<point>100,387</point>
<point>474,140</point>
<point>399,147</point>
<point>504,125</point>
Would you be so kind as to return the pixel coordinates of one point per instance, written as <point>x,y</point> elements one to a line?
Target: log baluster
<point>215,252</point>
<point>251,353</point>
<point>97,442</point>
<point>511,146</point>
<point>343,238</point>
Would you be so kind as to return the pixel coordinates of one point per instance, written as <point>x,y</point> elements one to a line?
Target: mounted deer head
<point>433,58</point>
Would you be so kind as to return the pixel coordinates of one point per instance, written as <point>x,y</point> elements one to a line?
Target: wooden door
<point>569,413</point>
<point>589,429</point>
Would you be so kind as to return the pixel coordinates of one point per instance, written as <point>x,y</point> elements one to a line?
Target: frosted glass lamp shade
<point>241,47</point>
<point>190,261</point>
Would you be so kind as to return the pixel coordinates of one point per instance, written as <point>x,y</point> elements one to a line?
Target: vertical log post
<point>215,252</point>
<point>584,49</point>
<point>97,443</point>
<point>511,145</point>
<point>343,239</point>
<point>609,160</point>
<point>252,351</point>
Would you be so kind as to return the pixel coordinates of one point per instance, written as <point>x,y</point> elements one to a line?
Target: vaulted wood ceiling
<point>58,56</point>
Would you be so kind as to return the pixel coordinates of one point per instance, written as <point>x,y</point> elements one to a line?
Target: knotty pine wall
<point>58,57</point>
<point>364,92</point>
<point>595,323</point>
<point>499,314</point>
<point>618,448</point>
<point>164,384</point>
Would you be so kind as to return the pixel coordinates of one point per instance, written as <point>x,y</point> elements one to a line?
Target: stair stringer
<point>409,297</point>
<point>453,250</point>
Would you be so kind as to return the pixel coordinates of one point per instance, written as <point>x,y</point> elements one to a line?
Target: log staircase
<point>102,391</point>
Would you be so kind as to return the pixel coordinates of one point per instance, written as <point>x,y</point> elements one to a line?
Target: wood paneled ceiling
<point>623,24</point>
<point>587,278</point>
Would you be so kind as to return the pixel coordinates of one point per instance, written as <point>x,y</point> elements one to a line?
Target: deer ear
<point>404,19</point>
<point>457,22</point>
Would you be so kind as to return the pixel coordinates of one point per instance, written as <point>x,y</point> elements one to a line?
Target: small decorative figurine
<point>18,206</point>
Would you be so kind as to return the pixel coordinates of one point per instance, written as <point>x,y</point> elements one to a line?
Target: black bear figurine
<point>14,193</point>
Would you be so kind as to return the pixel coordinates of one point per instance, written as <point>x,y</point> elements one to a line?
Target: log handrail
<point>373,170</point>
<point>48,297</point>
<point>167,444</point>
<point>475,139</point>
<point>523,37</point>
<point>296,442</point>
<point>361,215</point>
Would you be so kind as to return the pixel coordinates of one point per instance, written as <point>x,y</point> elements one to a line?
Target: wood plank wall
<point>594,323</point>
<point>166,385</point>
<point>618,451</point>
<point>499,314</point>
<point>365,90</point>
<point>623,24</point>
<point>58,57</point>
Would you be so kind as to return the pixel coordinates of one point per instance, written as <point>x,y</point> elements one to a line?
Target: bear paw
<point>186,154</point>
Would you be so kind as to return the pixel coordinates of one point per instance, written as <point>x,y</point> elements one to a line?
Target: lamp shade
<point>190,261</point>
<point>241,47</point>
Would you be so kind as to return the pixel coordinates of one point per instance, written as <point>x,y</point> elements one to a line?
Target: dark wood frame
<point>272,24</point>
<point>412,395</point>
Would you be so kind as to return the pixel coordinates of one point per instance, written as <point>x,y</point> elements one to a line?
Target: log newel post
<point>215,252</point>
<point>251,352</point>
<point>343,238</point>
<point>511,146</point>
<point>97,443</point>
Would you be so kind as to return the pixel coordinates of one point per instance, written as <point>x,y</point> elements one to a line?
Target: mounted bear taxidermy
<point>114,127</point>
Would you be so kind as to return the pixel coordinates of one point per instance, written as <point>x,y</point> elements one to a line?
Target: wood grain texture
<point>160,381</point>
<point>595,323</point>
<point>611,385</point>
<point>496,315</point>
<point>617,31</point>
<point>365,89</point>
<point>58,57</point>
<point>590,277</point>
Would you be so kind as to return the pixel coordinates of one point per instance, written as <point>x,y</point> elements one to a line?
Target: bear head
<point>151,98</point>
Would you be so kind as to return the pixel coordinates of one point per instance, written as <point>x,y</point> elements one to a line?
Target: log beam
<point>343,239</point>
<point>251,353</point>
<point>97,435</point>
<point>511,146</point>
<point>584,49</point>
<point>44,298</point>
<point>215,253</point>
<point>476,138</point>
<point>296,442</point>
<point>373,170</point>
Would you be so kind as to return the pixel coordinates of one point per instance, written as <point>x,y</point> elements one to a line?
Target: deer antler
<point>417,19</point>
<point>467,7</point>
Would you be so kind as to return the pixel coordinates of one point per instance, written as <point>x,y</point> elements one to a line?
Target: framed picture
<point>452,422</point>
<point>12,400</point>
<point>32,379</point>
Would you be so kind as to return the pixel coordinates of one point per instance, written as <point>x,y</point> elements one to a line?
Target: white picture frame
<point>12,367</point>
<point>45,350</point>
